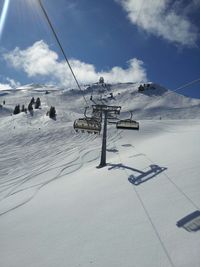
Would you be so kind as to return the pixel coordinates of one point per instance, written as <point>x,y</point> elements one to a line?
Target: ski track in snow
<point>74,153</point>
<point>74,160</point>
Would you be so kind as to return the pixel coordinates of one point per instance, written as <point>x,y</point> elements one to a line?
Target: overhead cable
<point>187,84</point>
<point>61,48</point>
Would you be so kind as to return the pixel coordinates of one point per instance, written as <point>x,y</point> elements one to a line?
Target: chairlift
<point>87,124</point>
<point>97,115</point>
<point>128,124</point>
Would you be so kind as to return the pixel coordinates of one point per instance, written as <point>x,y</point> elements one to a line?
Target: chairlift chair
<point>128,124</point>
<point>87,124</point>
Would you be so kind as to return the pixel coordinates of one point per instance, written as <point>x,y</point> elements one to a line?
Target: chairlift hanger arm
<point>86,112</point>
<point>131,115</point>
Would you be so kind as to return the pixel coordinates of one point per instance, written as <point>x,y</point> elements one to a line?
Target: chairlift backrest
<point>128,124</point>
<point>90,125</point>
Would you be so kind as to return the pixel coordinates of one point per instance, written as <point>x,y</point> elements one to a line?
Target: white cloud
<point>164,18</point>
<point>37,59</point>
<point>9,84</point>
<point>13,83</point>
<point>5,86</point>
<point>40,60</point>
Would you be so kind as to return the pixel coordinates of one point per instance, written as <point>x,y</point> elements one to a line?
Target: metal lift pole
<point>106,110</point>
<point>104,139</point>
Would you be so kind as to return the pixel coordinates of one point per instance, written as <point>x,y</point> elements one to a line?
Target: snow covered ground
<point>141,210</point>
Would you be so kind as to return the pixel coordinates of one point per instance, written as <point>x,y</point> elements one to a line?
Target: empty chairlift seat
<point>89,125</point>
<point>127,124</point>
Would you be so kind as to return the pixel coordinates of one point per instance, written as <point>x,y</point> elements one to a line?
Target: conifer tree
<point>23,108</point>
<point>16,110</point>
<point>30,106</point>
<point>32,100</point>
<point>52,113</point>
<point>37,103</point>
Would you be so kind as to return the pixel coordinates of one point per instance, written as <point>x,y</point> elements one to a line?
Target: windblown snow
<point>58,209</point>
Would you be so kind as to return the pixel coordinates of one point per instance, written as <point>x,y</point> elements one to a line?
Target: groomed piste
<point>58,209</point>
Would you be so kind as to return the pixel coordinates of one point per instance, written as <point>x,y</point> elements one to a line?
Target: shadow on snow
<point>191,222</point>
<point>113,150</point>
<point>142,176</point>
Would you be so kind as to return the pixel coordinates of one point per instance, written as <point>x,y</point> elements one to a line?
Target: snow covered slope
<point>155,102</point>
<point>58,209</point>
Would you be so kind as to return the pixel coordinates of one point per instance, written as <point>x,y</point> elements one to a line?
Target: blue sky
<point>123,40</point>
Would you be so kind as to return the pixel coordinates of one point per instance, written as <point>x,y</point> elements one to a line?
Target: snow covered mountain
<point>58,209</point>
<point>154,102</point>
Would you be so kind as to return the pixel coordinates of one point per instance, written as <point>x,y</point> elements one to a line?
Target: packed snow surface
<point>58,209</point>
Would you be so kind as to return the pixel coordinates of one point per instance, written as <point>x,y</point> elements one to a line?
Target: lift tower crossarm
<point>110,109</point>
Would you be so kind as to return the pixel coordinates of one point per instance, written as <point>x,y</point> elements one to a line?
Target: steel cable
<point>61,48</point>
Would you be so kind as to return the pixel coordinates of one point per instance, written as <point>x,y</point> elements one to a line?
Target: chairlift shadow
<point>113,150</point>
<point>127,145</point>
<point>191,222</point>
<point>122,166</point>
<point>143,176</point>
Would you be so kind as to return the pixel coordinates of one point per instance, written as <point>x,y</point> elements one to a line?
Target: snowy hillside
<point>58,209</point>
<point>153,103</point>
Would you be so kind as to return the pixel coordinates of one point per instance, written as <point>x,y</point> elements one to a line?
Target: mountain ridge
<point>155,102</point>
